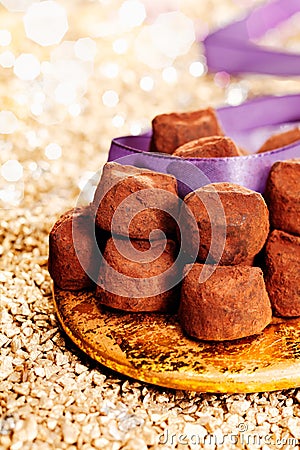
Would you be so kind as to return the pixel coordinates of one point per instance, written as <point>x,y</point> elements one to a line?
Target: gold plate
<point>153,348</point>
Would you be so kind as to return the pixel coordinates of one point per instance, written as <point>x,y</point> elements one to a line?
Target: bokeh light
<point>110,70</point>
<point>120,46</point>
<point>222,79</point>
<point>132,13</point>
<point>110,98</point>
<point>46,23</point>
<point>7,59</point>
<point>147,83</point>
<point>118,121</point>
<point>12,170</point>
<point>236,94</point>
<point>197,69</point>
<point>85,49</point>
<point>53,151</point>
<point>27,67</point>
<point>173,33</point>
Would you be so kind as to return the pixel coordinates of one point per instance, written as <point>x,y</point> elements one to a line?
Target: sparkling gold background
<point>108,73</point>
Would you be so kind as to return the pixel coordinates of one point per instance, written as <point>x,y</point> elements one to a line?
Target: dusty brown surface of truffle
<point>283,196</point>
<point>208,147</point>
<point>154,192</point>
<point>231,304</point>
<point>246,222</point>
<point>282,270</point>
<point>169,131</point>
<point>135,293</point>
<point>73,250</point>
<point>280,140</point>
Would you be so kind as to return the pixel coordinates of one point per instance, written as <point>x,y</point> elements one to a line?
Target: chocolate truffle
<point>231,304</point>
<point>282,269</point>
<point>169,131</point>
<point>283,196</point>
<point>238,217</point>
<point>280,140</point>
<point>136,200</point>
<point>73,254</point>
<point>208,147</point>
<point>136,277</point>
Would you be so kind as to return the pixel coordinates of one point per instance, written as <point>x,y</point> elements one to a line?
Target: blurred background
<point>74,74</point>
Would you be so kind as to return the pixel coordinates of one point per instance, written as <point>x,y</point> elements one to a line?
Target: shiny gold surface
<point>153,348</point>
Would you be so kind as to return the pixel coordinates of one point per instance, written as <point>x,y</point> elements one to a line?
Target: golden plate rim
<point>287,376</point>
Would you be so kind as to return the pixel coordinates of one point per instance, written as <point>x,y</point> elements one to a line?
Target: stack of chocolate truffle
<point>282,254</point>
<point>139,224</point>
<point>133,217</point>
<point>222,225</point>
<point>231,224</point>
<point>139,208</point>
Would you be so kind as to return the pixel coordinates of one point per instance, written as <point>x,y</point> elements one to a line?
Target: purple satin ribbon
<point>230,49</point>
<point>239,122</point>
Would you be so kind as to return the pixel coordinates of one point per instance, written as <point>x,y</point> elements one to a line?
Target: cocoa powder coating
<point>235,213</point>
<point>134,201</point>
<point>138,277</point>
<point>169,131</point>
<point>208,147</point>
<point>282,270</point>
<point>280,140</point>
<point>283,196</point>
<point>231,304</point>
<point>73,252</point>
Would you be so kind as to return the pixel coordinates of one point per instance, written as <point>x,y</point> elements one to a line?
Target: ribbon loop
<point>239,122</point>
<point>231,49</point>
